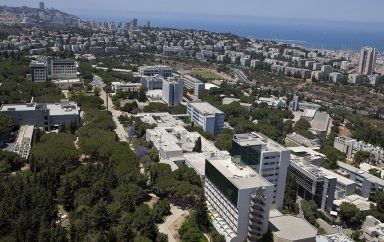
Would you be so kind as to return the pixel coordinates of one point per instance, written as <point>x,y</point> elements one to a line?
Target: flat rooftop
<point>340,178</point>
<point>56,109</point>
<point>18,107</point>
<point>248,139</point>
<point>242,177</point>
<point>320,122</point>
<point>205,107</point>
<point>292,228</point>
<point>361,173</point>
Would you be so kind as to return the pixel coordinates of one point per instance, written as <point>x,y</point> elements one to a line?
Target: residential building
<point>335,77</point>
<point>208,117</point>
<point>173,91</point>
<point>367,61</point>
<point>41,5</point>
<point>152,82</point>
<point>355,78</point>
<point>266,157</point>
<point>165,71</point>
<point>351,146</point>
<point>46,116</point>
<point>238,199</point>
<point>368,184</point>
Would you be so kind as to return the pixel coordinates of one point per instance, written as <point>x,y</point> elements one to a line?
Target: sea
<point>330,35</point>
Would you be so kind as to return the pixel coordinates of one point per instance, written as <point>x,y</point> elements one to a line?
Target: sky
<point>361,11</point>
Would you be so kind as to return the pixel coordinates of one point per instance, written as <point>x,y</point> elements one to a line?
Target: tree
<point>350,214</point>
<point>309,210</point>
<point>290,195</point>
<point>100,217</point>
<point>6,125</point>
<point>197,147</point>
<point>96,91</point>
<point>363,156</point>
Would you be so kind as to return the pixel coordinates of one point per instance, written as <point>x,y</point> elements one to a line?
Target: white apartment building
<point>165,71</point>
<point>172,91</point>
<point>266,157</point>
<point>208,117</point>
<point>351,146</point>
<point>367,61</point>
<point>238,199</point>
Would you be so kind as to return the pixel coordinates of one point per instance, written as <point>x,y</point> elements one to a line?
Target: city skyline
<point>340,11</point>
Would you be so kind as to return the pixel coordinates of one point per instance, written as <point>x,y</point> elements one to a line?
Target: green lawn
<point>205,75</point>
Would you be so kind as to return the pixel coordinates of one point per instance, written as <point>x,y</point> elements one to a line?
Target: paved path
<point>177,213</point>
<point>120,130</point>
<point>327,227</point>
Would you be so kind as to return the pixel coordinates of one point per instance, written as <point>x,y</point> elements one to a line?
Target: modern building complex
<point>320,124</point>
<point>124,86</point>
<point>152,82</point>
<point>295,105</point>
<point>266,157</point>
<point>173,91</point>
<point>313,183</point>
<point>193,84</point>
<point>368,184</point>
<point>165,71</point>
<point>57,69</point>
<point>238,199</point>
<point>208,117</point>
<point>351,146</point>
<point>367,61</point>
<point>46,116</point>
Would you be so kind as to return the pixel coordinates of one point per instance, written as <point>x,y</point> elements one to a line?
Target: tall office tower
<point>238,199</point>
<point>41,5</point>
<point>173,91</point>
<point>367,60</point>
<point>134,24</point>
<point>147,24</point>
<point>266,157</point>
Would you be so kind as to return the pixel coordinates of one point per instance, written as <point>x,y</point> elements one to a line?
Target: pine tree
<point>197,147</point>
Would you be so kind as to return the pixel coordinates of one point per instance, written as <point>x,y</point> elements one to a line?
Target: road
<point>173,222</point>
<point>120,130</point>
<point>241,76</point>
<point>328,228</point>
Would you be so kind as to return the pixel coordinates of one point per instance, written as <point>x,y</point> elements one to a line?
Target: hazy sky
<point>332,10</point>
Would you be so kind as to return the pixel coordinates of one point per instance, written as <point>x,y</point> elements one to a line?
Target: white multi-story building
<point>266,157</point>
<point>238,199</point>
<point>152,82</point>
<point>367,60</point>
<point>351,146</point>
<point>58,69</point>
<point>165,71</point>
<point>208,117</point>
<point>193,83</point>
<point>46,116</point>
<point>172,91</point>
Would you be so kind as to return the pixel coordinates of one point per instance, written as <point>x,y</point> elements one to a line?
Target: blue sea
<point>329,35</point>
